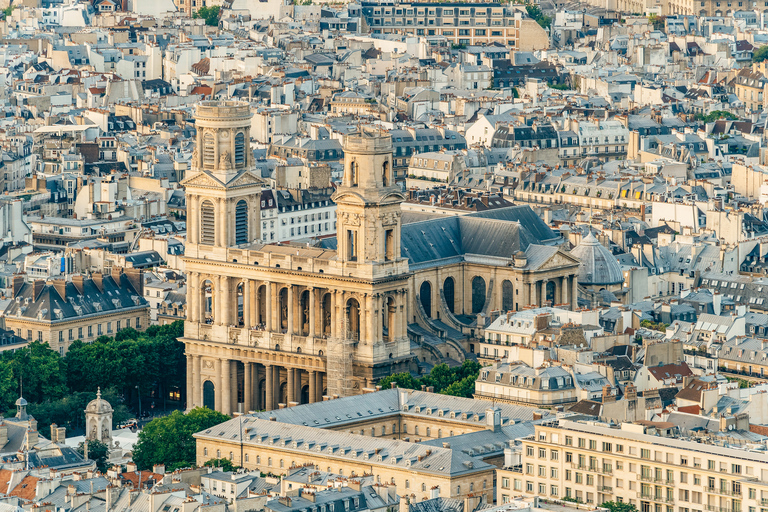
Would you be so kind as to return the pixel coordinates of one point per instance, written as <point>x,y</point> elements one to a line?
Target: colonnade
<point>296,309</point>
<point>565,292</point>
<point>228,385</point>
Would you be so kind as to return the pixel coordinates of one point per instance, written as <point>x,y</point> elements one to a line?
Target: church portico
<point>272,326</point>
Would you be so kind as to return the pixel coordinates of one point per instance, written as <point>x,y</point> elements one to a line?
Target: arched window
<point>425,294</point>
<point>448,291</point>
<point>209,149</point>
<point>385,174</point>
<point>507,295</point>
<point>353,170</point>
<point>478,294</point>
<point>240,149</point>
<point>209,395</point>
<point>207,223</point>
<point>241,222</point>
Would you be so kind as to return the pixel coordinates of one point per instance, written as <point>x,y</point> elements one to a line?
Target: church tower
<point>222,190</point>
<point>368,203</point>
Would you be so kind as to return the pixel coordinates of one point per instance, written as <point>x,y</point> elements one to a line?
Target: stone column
<point>217,300</point>
<point>193,219</point>
<point>219,386</point>
<point>574,288</point>
<point>269,307</point>
<point>197,382</point>
<point>254,301</point>
<point>563,290</point>
<point>274,302</point>
<point>312,314</point>
<point>192,297</point>
<point>312,387</point>
<point>247,388</point>
<point>539,301</point>
<point>276,385</point>
<point>291,310</point>
<point>319,386</point>
<point>247,303</point>
<point>256,374</point>
<point>190,381</point>
<point>226,387</point>
<point>269,383</point>
<point>373,313</point>
<point>290,394</point>
<point>233,398</point>
<point>362,322</point>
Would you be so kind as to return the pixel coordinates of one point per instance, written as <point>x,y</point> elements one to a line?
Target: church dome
<point>598,266</point>
<point>99,406</point>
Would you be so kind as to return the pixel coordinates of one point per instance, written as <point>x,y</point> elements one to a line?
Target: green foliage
<point>97,451</point>
<point>619,506</point>
<point>58,388</point>
<point>459,46</point>
<point>68,411</point>
<point>209,14</point>
<point>656,21</point>
<point>459,381</point>
<point>224,464</point>
<point>571,499</point>
<point>8,10</point>
<point>168,440</point>
<point>661,326</point>
<point>715,115</point>
<point>515,93</point>
<point>559,87</point>
<point>760,54</point>
<point>534,11</point>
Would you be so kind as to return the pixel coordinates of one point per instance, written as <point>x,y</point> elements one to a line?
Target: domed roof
<point>21,402</point>
<point>598,265</point>
<point>98,406</point>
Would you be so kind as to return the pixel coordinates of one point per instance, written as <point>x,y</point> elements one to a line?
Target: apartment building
<point>646,464</point>
<point>460,23</point>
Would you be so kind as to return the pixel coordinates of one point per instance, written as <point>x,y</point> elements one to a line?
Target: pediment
<point>558,260</point>
<point>245,179</point>
<point>202,179</point>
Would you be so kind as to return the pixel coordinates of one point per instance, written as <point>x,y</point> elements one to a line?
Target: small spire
<point>98,393</point>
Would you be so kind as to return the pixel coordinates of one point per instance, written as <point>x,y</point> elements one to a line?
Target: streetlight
<point>139,393</point>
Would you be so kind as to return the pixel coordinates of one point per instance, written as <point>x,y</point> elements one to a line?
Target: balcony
<point>715,508</point>
<point>724,492</point>
<point>605,489</point>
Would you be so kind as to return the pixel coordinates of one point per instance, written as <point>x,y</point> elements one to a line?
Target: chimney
<point>18,282</point>
<point>60,285</point>
<point>630,392</point>
<point>98,280</point>
<point>136,278</point>
<point>77,280</point>
<point>31,439</point>
<point>159,469</point>
<point>3,434</point>
<point>608,396</point>
<point>38,286</point>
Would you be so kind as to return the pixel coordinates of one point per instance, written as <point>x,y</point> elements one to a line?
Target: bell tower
<point>368,202</point>
<point>222,190</point>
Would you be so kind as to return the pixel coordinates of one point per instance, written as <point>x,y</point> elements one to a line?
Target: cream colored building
<point>267,324</point>
<point>595,463</point>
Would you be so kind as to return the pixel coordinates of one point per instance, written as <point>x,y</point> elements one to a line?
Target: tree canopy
<point>458,381</point>
<point>97,451</point>
<point>209,14</point>
<point>717,114</point>
<point>535,12</point>
<point>224,464</point>
<point>618,506</point>
<point>58,388</point>
<point>760,54</point>
<point>168,440</point>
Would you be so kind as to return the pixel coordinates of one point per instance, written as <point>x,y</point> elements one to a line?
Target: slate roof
<point>500,233</point>
<point>598,266</point>
<point>49,305</point>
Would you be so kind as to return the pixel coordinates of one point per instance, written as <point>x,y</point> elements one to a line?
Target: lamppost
<point>139,393</point>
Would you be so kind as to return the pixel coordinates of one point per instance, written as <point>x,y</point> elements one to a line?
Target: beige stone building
<point>643,464</point>
<point>282,324</point>
<point>414,439</point>
<point>61,311</point>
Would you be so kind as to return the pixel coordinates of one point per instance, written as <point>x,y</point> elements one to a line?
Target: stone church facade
<point>278,325</point>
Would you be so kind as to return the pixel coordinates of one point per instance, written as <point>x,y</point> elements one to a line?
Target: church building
<point>279,325</point>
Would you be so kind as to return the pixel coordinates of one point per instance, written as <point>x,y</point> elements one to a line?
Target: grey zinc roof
<point>598,266</point>
<point>500,232</point>
<point>299,439</point>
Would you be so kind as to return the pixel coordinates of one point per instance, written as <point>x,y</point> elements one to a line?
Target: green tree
<point>465,387</point>
<point>209,14</point>
<point>168,440</point>
<point>656,21</point>
<point>97,451</point>
<point>41,370</point>
<point>760,54</point>
<point>535,12</point>
<point>224,464</point>
<point>618,506</point>
<point>403,380</point>
<point>715,115</point>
